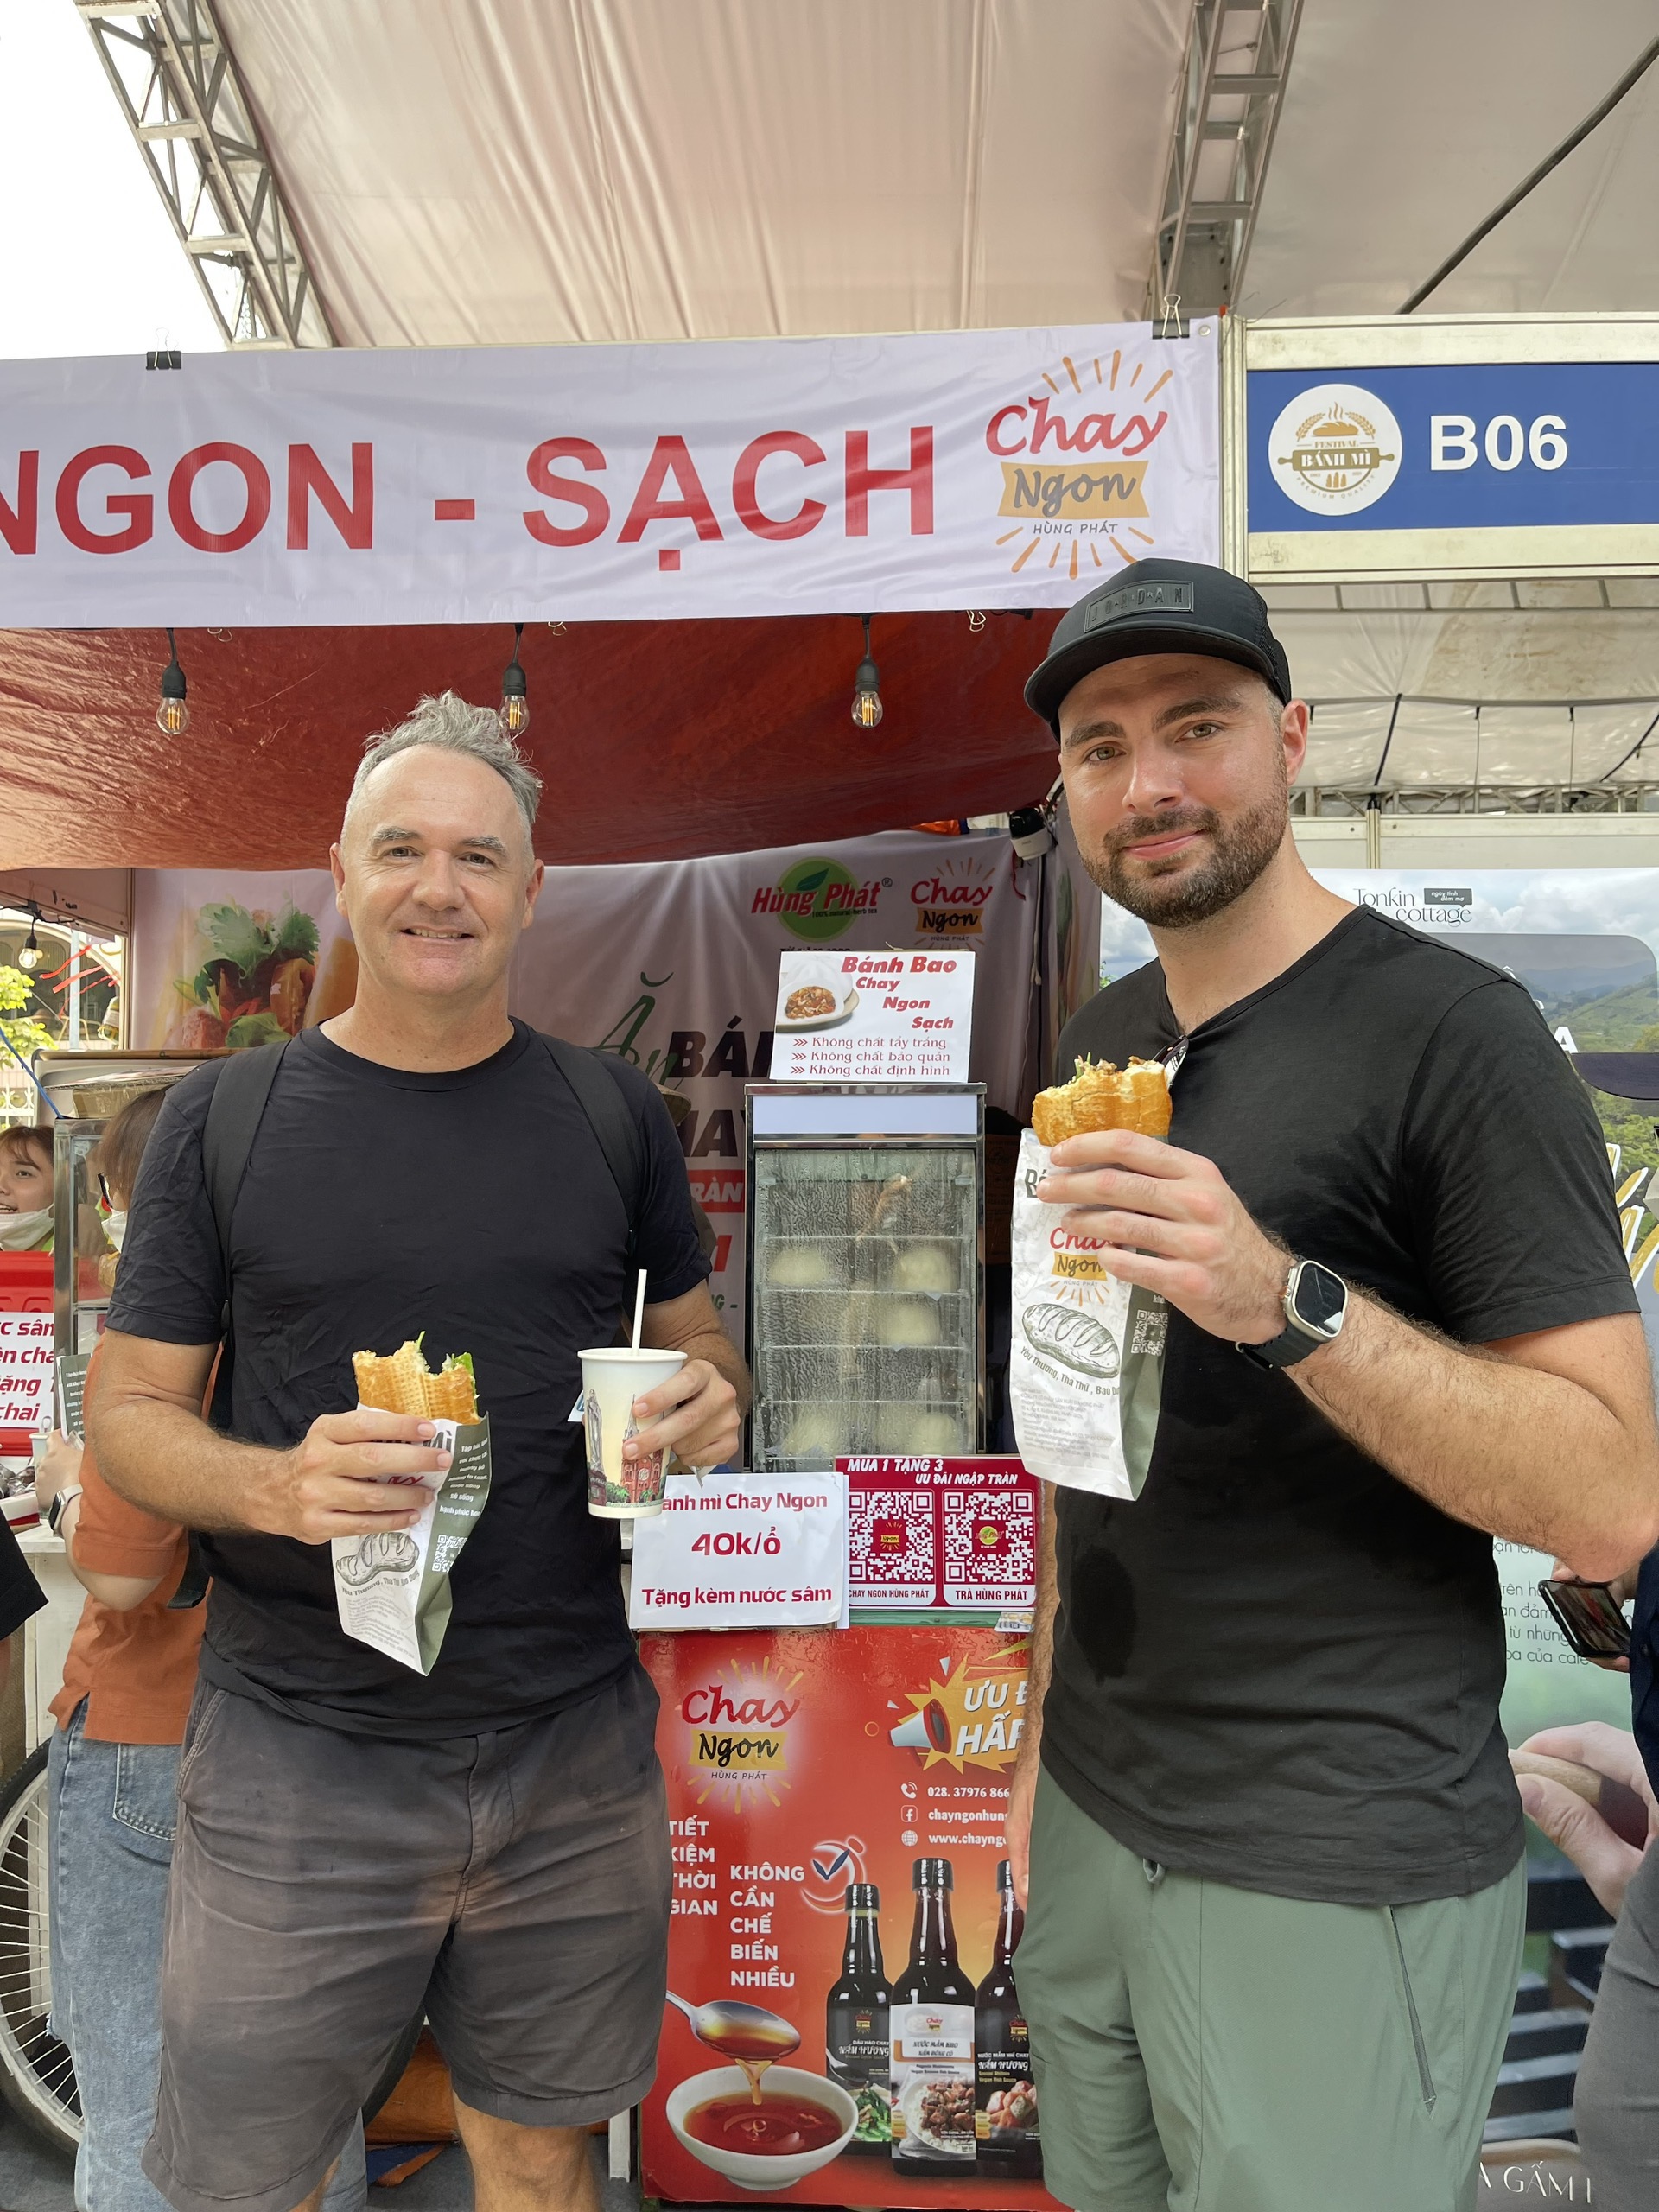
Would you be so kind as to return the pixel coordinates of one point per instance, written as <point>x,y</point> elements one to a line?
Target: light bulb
<point>514,710</point>
<point>867,687</point>
<point>172,715</point>
<point>31,955</point>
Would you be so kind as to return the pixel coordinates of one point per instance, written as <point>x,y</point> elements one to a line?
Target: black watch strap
<point>1282,1350</point>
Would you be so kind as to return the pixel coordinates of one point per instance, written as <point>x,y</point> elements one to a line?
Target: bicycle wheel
<point>37,2077</point>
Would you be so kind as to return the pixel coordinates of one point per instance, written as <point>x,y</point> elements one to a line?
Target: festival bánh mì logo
<point>1334,449</point>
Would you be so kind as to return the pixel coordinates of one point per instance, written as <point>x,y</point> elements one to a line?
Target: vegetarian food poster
<point>802,1766</point>
<point>224,959</point>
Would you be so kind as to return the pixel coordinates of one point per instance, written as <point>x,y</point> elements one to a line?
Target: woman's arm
<point>59,1469</point>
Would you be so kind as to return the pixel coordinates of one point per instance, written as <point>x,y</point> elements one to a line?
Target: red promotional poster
<point>843,2023</point>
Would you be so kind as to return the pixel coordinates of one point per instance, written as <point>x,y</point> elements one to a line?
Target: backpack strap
<point>233,1116</point>
<point>240,1090</point>
<point>599,1093</point>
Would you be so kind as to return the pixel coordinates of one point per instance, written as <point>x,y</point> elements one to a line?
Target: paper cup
<point>619,1490</point>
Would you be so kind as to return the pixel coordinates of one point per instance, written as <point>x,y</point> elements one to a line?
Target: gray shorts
<point>326,1885</point>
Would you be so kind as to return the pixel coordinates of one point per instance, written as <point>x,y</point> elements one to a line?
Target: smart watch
<point>1316,1305</point>
<point>60,1504</point>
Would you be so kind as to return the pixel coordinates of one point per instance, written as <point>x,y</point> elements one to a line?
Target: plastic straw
<point>639,1309</point>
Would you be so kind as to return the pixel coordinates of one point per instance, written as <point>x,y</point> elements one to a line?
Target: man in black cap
<point>1275,1884</point>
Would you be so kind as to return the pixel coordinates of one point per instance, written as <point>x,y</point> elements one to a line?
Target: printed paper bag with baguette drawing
<point>392,1591</point>
<point>1086,1362</point>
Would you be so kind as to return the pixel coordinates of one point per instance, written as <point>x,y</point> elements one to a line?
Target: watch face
<point>1320,1296</point>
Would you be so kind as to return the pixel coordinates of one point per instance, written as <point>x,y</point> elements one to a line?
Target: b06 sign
<point>1504,448</point>
<point>1456,441</point>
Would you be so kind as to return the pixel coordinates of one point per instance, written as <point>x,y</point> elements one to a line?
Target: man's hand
<point>1604,1857</point>
<point>358,1474</point>
<point>1016,1831</point>
<point>1165,1219</point>
<point>696,1411</point>
<point>57,1468</point>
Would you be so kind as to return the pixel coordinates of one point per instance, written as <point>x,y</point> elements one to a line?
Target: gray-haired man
<point>355,1838</point>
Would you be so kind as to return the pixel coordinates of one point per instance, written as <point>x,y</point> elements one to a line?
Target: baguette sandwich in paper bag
<point>1086,1361</point>
<point>393,1589</point>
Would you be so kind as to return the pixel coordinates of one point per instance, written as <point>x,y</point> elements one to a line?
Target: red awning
<point>656,740</point>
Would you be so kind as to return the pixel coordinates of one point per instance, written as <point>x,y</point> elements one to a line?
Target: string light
<point>515,701</point>
<point>172,715</point>
<point>867,687</point>
<point>32,952</point>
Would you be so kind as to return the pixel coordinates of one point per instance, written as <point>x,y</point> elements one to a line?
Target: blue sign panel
<point>1482,446</point>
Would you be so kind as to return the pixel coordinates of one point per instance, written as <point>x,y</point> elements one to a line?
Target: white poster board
<point>886,1016</point>
<point>26,1371</point>
<point>742,1551</point>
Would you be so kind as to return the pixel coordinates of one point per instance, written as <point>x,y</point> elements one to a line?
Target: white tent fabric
<point>496,172</point>
<point>1566,687</point>
<point>1406,121</point>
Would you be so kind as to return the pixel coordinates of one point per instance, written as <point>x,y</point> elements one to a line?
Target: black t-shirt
<point>20,1593</point>
<point>476,1206</point>
<point>1279,1667</point>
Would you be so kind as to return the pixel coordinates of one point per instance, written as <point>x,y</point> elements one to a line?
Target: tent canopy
<point>498,172</point>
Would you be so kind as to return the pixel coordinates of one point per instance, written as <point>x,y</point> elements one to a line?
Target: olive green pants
<point>1204,2049</point>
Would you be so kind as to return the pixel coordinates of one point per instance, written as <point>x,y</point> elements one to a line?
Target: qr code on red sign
<point>990,1538</point>
<point>890,1536</point>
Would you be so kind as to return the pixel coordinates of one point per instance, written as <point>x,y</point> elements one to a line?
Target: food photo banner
<point>961,469</point>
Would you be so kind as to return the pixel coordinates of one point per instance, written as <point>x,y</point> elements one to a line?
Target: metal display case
<point>82,1256</point>
<point>866,1270</point>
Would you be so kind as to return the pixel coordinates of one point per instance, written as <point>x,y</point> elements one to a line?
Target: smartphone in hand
<point>1590,1617</point>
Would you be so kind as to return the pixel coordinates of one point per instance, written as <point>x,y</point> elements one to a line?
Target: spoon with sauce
<point>751,2037</point>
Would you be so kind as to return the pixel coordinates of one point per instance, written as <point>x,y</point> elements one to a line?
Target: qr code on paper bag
<point>990,1539</point>
<point>890,1537</point>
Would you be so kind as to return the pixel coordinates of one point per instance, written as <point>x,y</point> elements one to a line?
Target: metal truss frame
<point>171,68</point>
<point>1210,199</point>
<point>1310,802</point>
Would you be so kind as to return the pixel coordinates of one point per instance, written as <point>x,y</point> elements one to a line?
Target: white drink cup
<point>618,1489</point>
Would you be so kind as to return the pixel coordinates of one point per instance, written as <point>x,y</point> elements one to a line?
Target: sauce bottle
<point>857,2040</point>
<point>1005,2118</point>
<point>932,2025</point>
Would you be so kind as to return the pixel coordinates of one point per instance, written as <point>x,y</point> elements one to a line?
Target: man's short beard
<point>1239,851</point>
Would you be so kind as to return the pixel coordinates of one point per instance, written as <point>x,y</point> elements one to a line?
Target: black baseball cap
<point>1158,606</point>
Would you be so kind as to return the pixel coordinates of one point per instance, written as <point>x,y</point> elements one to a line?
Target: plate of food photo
<point>815,1006</point>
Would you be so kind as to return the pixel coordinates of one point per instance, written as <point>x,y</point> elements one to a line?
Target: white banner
<point>742,1551</point>
<point>968,469</point>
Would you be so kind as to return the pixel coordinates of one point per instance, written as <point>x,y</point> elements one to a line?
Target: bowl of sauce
<point>761,2138</point>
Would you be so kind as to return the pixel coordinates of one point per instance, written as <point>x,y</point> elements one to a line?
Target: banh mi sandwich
<point>403,1384</point>
<point>1104,1097</point>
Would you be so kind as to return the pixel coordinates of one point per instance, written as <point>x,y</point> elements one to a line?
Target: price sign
<point>943,1533</point>
<point>873,1017</point>
<point>742,1551</point>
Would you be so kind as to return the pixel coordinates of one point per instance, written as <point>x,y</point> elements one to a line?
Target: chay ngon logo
<point>816,899</point>
<point>1335,449</point>
<point>1075,459</point>
<point>950,901</point>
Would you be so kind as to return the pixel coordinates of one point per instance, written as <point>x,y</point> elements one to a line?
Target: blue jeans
<point>113,1813</point>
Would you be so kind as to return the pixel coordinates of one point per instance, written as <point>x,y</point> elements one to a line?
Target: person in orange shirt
<point>127,1681</point>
